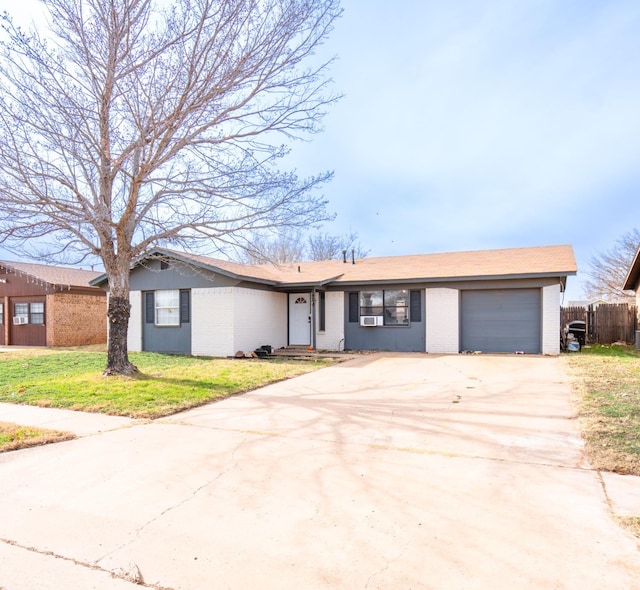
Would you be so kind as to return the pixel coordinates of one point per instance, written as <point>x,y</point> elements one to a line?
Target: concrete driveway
<point>390,471</point>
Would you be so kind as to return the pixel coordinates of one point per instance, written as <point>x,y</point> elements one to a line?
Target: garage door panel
<point>501,320</point>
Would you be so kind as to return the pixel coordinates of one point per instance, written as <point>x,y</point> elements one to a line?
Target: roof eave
<point>28,274</point>
<point>218,270</point>
<point>97,282</point>
<point>459,279</point>
<point>288,285</point>
<point>186,260</point>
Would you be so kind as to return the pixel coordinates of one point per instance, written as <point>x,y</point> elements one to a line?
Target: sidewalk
<point>80,423</point>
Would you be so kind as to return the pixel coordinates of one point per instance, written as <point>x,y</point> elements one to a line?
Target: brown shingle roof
<point>512,262</point>
<point>549,260</point>
<point>54,275</point>
<point>263,272</point>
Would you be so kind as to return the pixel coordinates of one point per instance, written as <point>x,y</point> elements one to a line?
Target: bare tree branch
<point>326,246</point>
<point>608,269</point>
<point>294,246</point>
<point>141,123</point>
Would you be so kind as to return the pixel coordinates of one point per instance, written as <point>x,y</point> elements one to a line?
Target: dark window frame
<point>385,303</point>
<point>413,307</point>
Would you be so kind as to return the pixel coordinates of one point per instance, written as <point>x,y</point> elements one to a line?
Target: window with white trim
<point>20,313</point>
<point>168,307</point>
<point>36,313</point>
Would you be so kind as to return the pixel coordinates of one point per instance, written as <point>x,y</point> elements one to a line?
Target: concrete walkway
<point>396,471</point>
<point>79,423</point>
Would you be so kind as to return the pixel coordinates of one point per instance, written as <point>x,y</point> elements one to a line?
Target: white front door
<point>299,319</point>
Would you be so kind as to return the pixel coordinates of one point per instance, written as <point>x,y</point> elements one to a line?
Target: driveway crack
<point>138,531</point>
<point>387,565</point>
<point>88,565</point>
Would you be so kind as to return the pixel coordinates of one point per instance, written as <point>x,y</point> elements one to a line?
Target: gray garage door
<point>501,320</point>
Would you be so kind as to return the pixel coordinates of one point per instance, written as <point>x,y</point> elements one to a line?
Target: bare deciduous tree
<point>137,123</point>
<point>292,246</point>
<point>286,246</point>
<point>326,246</point>
<point>608,269</point>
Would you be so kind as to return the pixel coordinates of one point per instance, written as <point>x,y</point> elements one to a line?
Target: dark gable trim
<point>631,280</point>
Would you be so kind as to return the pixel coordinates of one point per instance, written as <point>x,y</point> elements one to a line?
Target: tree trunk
<point>117,355</point>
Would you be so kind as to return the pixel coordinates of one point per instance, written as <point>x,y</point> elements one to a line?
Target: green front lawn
<point>166,383</point>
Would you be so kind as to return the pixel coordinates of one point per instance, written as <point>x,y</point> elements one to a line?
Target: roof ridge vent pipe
<point>353,255</point>
<point>298,269</point>
<point>344,256</point>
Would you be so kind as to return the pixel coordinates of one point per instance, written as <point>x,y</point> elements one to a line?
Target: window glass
<point>20,313</point>
<point>168,308</point>
<point>396,307</point>
<point>21,310</point>
<point>392,304</point>
<point>396,297</point>
<point>36,313</point>
<point>1,313</point>
<point>371,303</point>
<point>396,316</point>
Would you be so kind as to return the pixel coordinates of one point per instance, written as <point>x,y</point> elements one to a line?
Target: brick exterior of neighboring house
<point>44,305</point>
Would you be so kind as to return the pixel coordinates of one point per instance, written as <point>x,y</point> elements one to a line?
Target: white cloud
<point>482,124</point>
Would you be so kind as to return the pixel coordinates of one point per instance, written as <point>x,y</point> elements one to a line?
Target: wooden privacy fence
<point>606,323</point>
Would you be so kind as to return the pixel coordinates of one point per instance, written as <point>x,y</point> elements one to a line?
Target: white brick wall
<point>212,316</point>
<point>260,318</point>
<point>134,333</point>
<point>551,319</point>
<point>333,336</point>
<point>442,320</point>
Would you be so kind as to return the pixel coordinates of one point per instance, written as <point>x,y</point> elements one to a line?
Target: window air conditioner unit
<point>371,320</point>
<point>19,319</point>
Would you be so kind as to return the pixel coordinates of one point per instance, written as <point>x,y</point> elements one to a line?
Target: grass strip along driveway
<point>608,384</point>
<point>13,436</point>
<point>608,381</point>
<point>166,383</point>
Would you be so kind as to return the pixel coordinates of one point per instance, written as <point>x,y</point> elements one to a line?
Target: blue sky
<point>475,125</point>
